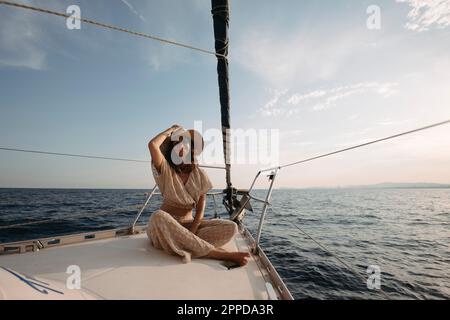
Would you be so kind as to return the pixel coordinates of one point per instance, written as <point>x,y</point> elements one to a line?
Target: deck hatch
<point>53,242</point>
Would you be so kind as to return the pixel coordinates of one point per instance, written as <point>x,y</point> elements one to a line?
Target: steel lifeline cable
<point>108,26</point>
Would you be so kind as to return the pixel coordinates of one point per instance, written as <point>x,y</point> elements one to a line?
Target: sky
<point>311,70</point>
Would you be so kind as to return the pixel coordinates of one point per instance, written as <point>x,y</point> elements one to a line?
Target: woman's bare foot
<point>240,258</point>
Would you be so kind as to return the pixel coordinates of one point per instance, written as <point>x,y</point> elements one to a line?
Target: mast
<point>221,15</point>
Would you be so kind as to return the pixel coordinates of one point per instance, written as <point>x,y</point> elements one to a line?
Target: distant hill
<point>393,185</point>
<point>386,185</point>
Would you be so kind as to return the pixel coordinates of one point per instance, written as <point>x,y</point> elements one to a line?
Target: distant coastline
<point>387,185</point>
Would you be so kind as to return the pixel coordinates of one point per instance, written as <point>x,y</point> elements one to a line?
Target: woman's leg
<point>240,258</point>
<point>168,234</point>
<point>218,232</point>
<point>171,236</point>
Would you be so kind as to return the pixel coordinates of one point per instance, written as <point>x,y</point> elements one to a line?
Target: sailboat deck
<point>128,267</point>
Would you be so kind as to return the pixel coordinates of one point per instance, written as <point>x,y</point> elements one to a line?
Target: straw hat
<point>195,137</point>
<point>197,140</point>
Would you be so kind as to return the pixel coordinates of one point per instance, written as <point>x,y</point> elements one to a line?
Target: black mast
<point>221,16</point>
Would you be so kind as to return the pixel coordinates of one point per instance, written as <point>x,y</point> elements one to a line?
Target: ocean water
<point>405,232</point>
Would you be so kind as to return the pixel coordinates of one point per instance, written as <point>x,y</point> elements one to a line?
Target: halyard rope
<point>112,27</point>
<point>91,156</point>
<point>366,144</point>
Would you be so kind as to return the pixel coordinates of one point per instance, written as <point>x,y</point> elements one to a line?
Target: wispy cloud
<point>271,107</point>
<point>291,133</point>
<point>332,97</point>
<point>295,138</point>
<point>356,133</point>
<point>283,103</point>
<point>390,122</point>
<point>20,40</point>
<point>426,14</point>
<point>168,19</point>
<point>133,10</point>
<point>280,58</point>
<point>302,143</point>
<point>28,39</point>
<point>298,98</point>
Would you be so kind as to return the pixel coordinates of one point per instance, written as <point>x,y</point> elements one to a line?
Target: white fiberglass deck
<point>128,267</point>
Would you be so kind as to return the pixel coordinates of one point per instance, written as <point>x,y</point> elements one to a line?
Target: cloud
<point>168,19</point>
<point>291,133</point>
<point>356,134</point>
<point>426,14</point>
<point>280,58</point>
<point>283,103</point>
<point>270,108</point>
<point>296,98</point>
<point>302,143</point>
<point>133,10</point>
<point>27,38</point>
<point>21,40</point>
<point>390,122</point>
<point>332,97</point>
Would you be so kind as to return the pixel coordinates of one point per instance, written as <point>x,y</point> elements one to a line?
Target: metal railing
<point>266,202</point>
<point>154,191</point>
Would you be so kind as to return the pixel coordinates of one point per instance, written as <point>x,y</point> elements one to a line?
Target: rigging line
<point>353,270</point>
<point>93,157</point>
<point>70,217</point>
<point>107,26</point>
<point>365,144</point>
<point>74,155</point>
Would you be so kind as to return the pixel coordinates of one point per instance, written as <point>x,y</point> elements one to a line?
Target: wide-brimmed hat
<point>194,136</point>
<point>197,140</point>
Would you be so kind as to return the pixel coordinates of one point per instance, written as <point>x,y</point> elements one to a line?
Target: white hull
<point>128,267</point>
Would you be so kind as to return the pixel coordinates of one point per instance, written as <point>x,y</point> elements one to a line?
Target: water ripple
<point>404,232</point>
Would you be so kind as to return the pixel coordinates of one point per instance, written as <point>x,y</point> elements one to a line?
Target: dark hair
<point>183,167</point>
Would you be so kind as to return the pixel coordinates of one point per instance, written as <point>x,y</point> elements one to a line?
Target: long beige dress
<point>171,233</point>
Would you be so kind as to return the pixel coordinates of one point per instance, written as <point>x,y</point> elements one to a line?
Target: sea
<point>356,243</point>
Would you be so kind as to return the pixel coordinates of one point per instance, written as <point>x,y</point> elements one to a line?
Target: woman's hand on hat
<point>175,127</point>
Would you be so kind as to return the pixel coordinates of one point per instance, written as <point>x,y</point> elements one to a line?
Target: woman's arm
<point>156,142</point>
<point>199,213</point>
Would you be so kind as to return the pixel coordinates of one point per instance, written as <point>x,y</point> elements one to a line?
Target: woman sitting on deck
<point>183,186</point>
